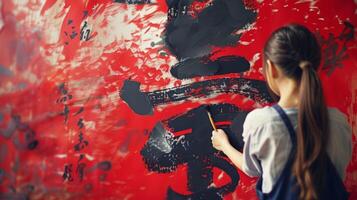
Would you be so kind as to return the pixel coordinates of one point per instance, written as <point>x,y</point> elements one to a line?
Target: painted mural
<point>107,99</point>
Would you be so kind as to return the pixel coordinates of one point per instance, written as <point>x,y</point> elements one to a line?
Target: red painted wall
<point>65,131</point>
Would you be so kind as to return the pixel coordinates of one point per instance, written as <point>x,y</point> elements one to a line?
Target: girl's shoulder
<point>268,113</point>
<point>267,117</point>
<point>261,116</point>
<point>335,115</point>
<point>339,125</point>
<point>263,124</point>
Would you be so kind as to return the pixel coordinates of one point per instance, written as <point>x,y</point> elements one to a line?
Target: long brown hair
<point>295,50</point>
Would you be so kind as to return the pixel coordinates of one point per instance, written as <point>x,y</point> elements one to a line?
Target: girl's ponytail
<point>311,134</point>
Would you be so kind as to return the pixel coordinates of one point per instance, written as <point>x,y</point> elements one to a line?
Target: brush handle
<point>211,120</point>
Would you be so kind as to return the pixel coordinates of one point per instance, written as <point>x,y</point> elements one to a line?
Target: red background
<point>38,54</point>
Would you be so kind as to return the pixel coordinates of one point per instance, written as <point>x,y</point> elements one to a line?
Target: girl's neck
<point>289,93</point>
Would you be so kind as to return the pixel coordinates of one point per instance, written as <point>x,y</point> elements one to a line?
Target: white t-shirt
<point>267,140</point>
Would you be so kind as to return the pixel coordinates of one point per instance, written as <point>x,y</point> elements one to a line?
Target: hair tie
<point>305,64</point>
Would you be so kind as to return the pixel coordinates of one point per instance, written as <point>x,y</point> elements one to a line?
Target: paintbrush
<point>210,118</point>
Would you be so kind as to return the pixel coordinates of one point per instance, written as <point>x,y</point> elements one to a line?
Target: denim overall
<point>286,187</point>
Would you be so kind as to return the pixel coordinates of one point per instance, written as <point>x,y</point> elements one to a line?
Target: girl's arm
<point>220,142</point>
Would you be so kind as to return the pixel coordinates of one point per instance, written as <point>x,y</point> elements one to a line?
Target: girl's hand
<point>219,139</point>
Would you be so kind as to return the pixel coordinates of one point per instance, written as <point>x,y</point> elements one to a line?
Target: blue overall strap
<point>288,124</point>
<point>284,188</point>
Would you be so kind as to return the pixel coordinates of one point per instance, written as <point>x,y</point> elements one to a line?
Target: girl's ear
<point>272,69</point>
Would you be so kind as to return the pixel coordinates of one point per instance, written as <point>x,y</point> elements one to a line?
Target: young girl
<point>291,59</point>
